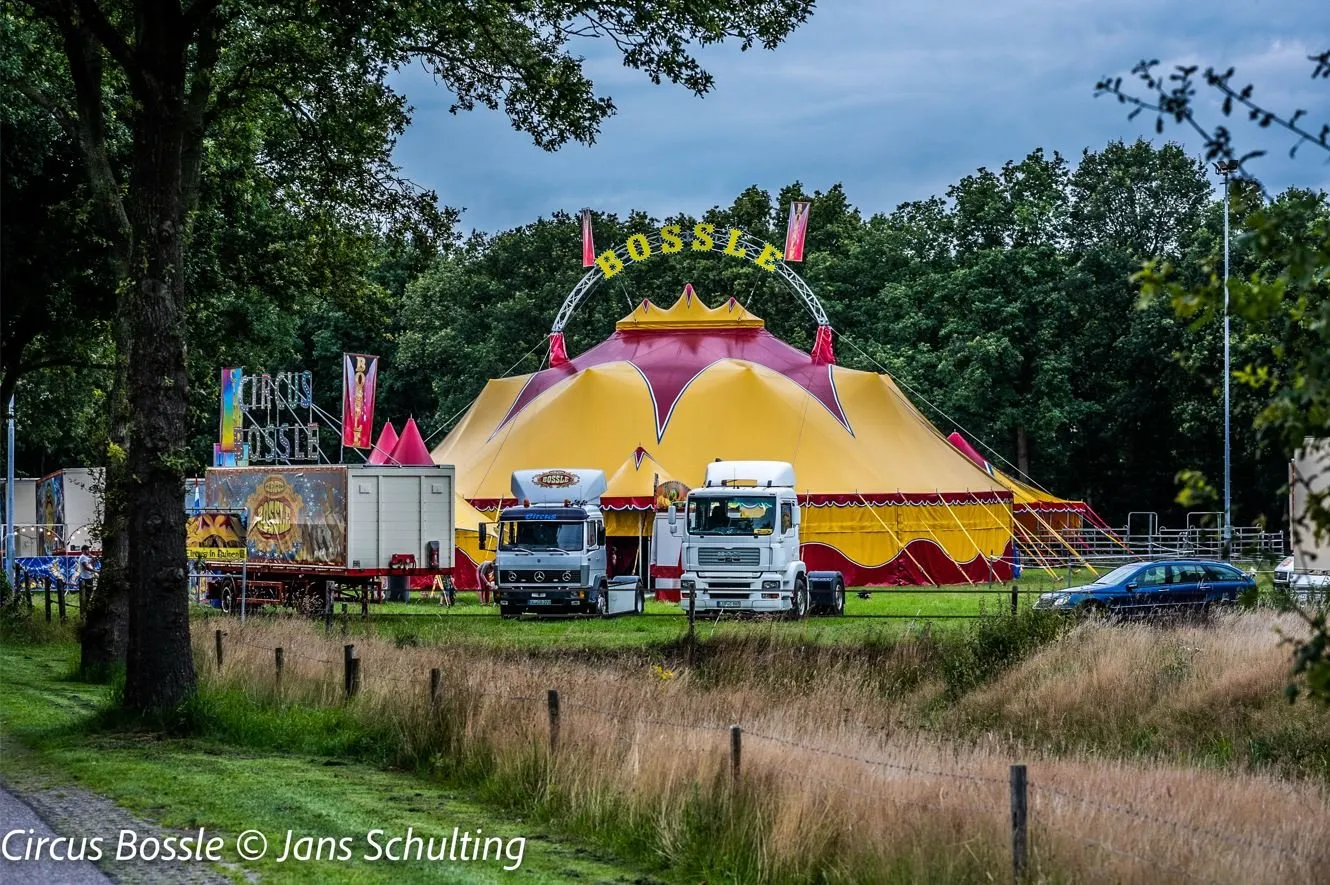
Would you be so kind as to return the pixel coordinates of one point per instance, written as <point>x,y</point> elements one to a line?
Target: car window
<point>1222,573</point>
<point>1152,576</point>
<point>1186,574</point>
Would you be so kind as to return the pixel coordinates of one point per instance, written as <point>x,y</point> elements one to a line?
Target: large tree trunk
<point>1022,453</point>
<point>104,636</point>
<point>160,668</point>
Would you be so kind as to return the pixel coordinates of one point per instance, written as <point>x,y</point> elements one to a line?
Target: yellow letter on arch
<point>702,241</point>
<point>639,247</point>
<point>767,260</point>
<point>732,247</point>
<point>609,263</point>
<point>670,241</point>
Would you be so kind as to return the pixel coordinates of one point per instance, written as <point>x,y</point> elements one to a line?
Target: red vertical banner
<point>360,375</point>
<point>795,230</point>
<point>588,241</point>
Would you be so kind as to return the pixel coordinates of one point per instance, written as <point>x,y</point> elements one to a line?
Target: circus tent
<point>888,500</point>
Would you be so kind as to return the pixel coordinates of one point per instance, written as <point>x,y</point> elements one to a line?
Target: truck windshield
<point>533,535</point>
<point>737,515</point>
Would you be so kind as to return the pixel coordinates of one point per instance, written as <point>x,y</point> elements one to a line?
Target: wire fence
<point>1009,799</point>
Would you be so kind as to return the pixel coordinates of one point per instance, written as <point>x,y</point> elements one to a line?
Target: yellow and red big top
<point>887,500</point>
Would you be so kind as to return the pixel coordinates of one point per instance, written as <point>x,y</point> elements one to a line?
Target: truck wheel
<point>640,602</point>
<point>228,596</point>
<point>603,602</point>
<point>799,603</point>
<point>838,600</point>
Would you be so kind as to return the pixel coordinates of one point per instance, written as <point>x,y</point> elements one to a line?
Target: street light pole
<point>10,524</point>
<point>1226,169</point>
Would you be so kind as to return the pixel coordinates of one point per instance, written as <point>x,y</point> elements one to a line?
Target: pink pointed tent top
<point>383,448</point>
<point>968,450</point>
<point>410,450</point>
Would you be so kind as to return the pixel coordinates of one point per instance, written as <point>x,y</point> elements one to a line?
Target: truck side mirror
<point>484,537</point>
<point>796,517</point>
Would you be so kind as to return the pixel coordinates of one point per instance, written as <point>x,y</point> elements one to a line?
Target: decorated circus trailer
<point>886,500</point>
<point>288,534</point>
<point>69,510</point>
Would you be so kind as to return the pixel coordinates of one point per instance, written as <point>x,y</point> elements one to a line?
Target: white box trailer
<point>306,525</point>
<point>1309,477</point>
<point>23,524</point>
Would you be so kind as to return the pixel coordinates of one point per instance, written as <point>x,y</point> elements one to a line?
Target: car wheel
<point>1092,609</point>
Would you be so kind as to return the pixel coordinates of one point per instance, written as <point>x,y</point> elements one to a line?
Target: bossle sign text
<point>702,238</point>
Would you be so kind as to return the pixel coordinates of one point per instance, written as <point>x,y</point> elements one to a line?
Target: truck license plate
<point>727,603</point>
<point>538,602</point>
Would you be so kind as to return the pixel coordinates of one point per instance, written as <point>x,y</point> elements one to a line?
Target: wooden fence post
<point>364,603</point>
<point>435,677</point>
<point>278,657</point>
<point>554,719</point>
<point>1019,807</point>
<point>217,639</point>
<point>355,678</point>
<point>736,746</point>
<point>60,599</point>
<point>348,655</point>
<point>46,585</point>
<point>327,608</point>
<point>1015,597</point>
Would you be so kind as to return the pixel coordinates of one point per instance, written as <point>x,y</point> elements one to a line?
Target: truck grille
<point>539,576</point>
<point>741,556</point>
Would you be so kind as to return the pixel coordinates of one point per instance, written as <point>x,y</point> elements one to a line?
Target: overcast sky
<point>894,99</point>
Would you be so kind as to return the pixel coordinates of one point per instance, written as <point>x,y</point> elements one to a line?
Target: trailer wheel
<point>228,596</point>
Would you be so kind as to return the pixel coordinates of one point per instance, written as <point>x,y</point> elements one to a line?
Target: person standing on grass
<point>485,576</point>
<point>86,570</point>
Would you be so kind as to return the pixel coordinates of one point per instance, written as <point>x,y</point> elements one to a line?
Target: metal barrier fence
<point>1144,539</point>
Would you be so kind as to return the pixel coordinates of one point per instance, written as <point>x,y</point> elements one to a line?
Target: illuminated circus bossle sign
<point>703,237</point>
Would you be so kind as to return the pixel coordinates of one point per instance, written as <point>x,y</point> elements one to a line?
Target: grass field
<point>50,736</point>
<point>888,614</point>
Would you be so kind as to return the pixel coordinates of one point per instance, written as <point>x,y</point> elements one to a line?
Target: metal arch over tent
<point>655,241</point>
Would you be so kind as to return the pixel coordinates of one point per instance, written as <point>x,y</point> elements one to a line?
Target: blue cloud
<point>895,103</point>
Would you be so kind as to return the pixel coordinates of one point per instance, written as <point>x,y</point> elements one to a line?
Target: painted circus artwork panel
<point>51,512</point>
<point>297,515</point>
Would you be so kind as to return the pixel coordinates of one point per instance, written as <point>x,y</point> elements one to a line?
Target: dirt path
<point>78,813</point>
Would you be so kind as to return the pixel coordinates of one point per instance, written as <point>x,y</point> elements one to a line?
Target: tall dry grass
<point>837,785</point>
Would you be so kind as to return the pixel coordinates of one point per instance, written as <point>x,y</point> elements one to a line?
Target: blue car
<point>1145,587</point>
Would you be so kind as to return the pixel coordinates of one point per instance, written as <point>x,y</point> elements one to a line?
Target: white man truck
<point>551,557</point>
<point>741,548</point>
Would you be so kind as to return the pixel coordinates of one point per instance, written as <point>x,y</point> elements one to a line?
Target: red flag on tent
<point>384,447</point>
<point>588,241</point>
<point>795,230</point>
<point>410,450</point>
<point>360,376</point>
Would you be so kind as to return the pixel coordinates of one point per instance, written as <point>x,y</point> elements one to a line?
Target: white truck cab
<point>740,534</point>
<point>551,556</point>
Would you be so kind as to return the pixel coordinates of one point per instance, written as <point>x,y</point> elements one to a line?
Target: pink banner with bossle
<point>360,375</point>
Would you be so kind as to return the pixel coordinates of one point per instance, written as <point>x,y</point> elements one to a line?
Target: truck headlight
<point>771,585</point>
<point>687,585</point>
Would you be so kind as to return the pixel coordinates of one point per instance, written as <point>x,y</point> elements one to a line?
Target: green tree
<point>213,67</point>
<point>1286,295</point>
